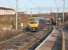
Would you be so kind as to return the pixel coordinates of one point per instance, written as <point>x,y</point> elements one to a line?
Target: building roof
<point>5,8</point>
<point>6,11</point>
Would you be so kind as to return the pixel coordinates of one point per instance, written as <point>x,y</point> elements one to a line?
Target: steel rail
<point>44,40</point>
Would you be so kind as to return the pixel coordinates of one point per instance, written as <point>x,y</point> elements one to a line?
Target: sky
<point>35,5</point>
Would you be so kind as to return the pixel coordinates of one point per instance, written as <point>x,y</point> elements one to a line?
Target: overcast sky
<point>35,5</point>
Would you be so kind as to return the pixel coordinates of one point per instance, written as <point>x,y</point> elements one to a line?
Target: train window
<point>33,22</point>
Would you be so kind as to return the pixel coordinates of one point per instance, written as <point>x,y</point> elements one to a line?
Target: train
<point>35,24</point>
<point>32,25</point>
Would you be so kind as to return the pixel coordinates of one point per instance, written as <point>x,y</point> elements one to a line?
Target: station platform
<point>50,42</point>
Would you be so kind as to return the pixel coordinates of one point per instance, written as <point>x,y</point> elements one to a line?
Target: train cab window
<point>33,22</point>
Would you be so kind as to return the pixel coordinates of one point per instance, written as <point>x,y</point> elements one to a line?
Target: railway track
<point>26,41</point>
<point>55,41</point>
<point>49,42</point>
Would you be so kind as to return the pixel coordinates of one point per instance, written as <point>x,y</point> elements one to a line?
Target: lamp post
<point>16,14</point>
<point>63,10</point>
<point>39,8</point>
<point>63,46</point>
<point>31,12</point>
<point>56,14</point>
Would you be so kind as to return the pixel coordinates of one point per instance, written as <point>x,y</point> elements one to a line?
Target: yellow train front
<point>33,26</point>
